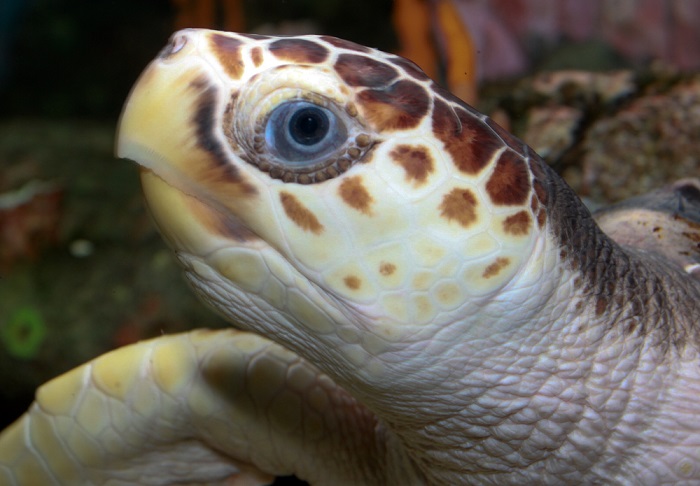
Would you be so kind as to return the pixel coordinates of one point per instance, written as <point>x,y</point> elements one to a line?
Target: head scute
<point>300,51</point>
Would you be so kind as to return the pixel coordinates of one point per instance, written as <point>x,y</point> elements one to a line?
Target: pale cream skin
<point>443,314</point>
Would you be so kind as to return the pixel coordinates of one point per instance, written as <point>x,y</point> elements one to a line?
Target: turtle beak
<point>158,129</point>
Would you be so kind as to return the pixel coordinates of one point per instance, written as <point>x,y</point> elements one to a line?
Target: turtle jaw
<point>160,129</point>
<point>150,120</point>
<point>189,225</point>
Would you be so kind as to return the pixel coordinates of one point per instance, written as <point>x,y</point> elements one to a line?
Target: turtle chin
<point>185,222</point>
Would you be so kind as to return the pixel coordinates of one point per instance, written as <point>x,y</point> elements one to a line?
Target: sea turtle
<point>421,299</point>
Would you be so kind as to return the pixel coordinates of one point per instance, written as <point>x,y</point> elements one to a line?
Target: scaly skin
<point>476,325</point>
<point>215,407</point>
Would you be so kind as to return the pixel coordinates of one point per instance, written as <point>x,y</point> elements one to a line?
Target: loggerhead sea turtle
<point>423,300</point>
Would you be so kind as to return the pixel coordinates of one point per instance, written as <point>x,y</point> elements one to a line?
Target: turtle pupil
<point>308,126</point>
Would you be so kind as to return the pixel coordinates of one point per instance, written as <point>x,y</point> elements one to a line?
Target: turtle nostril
<point>176,44</point>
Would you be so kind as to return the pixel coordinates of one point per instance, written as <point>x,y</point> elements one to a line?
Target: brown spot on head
<point>537,185</point>
<point>450,97</point>
<point>410,68</point>
<point>207,124</point>
<point>255,36</point>
<point>298,50</point>
<point>355,195</point>
<point>459,205</point>
<point>386,268</point>
<point>228,51</point>
<point>415,160</point>
<point>397,107</point>
<point>256,55</point>
<point>364,71</point>
<point>352,282</point>
<point>470,143</point>
<point>510,182</point>
<point>514,143</point>
<point>517,224</point>
<point>541,218</point>
<point>494,269</point>
<point>344,44</point>
<point>534,202</point>
<point>299,213</point>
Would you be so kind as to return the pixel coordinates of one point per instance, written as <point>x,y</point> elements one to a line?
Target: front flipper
<point>205,407</point>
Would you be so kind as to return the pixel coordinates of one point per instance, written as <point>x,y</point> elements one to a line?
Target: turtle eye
<point>300,132</point>
<point>309,126</point>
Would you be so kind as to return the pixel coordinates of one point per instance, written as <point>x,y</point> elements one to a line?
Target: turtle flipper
<point>198,408</point>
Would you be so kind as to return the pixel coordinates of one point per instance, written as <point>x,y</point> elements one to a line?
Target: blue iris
<point>300,131</point>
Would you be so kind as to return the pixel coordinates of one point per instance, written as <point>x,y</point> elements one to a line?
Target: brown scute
<point>448,96</point>
<point>540,191</point>
<point>344,44</point>
<point>228,52</point>
<point>494,269</point>
<point>534,202</point>
<point>355,195</point>
<point>539,172</point>
<point>468,141</point>
<point>398,107</point>
<point>541,218</point>
<point>509,184</point>
<point>514,143</point>
<point>352,282</point>
<point>255,36</point>
<point>298,51</point>
<point>256,55</point>
<point>415,160</point>
<point>205,120</point>
<point>300,214</point>
<point>410,68</point>
<point>357,70</point>
<point>459,205</point>
<point>386,268</point>
<point>517,224</point>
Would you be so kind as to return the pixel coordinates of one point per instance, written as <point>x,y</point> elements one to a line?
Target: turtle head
<point>334,198</point>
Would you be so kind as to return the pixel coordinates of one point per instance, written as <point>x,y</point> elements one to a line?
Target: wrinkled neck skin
<point>596,381</point>
<point>582,368</point>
